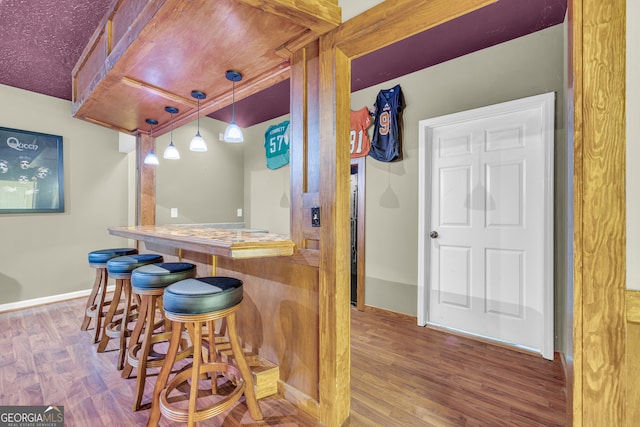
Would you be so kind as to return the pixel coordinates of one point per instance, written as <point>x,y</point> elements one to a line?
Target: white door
<point>487,222</point>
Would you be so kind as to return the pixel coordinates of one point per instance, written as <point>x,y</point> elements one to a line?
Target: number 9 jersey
<point>386,145</point>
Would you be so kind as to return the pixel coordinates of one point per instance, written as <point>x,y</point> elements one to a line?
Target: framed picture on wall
<point>31,172</point>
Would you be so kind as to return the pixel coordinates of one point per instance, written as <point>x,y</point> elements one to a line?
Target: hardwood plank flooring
<point>402,375</point>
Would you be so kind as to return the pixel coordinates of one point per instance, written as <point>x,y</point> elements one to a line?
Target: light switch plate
<point>174,212</point>
<point>315,216</point>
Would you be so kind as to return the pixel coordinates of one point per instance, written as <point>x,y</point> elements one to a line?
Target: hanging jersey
<point>276,144</point>
<point>386,145</point>
<point>359,137</point>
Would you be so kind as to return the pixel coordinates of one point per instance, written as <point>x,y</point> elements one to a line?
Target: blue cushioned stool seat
<point>101,256</point>
<point>202,295</point>
<point>161,275</point>
<point>97,301</point>
<point>148,282</point>
<point>120,268</point>
<point>127,263</point>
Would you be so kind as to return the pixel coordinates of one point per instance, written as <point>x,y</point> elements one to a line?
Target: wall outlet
<point>239,213</point>
<point>174,212</point>
<point>315,216</point>
<point>221,137</point>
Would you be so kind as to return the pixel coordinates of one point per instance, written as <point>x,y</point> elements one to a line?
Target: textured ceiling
<point>41,40</point>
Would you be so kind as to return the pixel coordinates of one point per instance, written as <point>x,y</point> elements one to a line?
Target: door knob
<point>434,234</point>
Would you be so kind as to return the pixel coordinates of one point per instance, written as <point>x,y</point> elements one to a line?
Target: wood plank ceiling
<point>150,54</point>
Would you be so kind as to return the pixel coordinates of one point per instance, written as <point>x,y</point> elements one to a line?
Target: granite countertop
<point>208,238</point>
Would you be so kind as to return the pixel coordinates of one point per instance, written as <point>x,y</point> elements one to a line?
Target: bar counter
<point>278,319</point>
<point>234,243</point>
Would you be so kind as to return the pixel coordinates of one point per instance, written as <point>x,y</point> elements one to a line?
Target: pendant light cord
<point>233,101</point>
<point>198,116</point>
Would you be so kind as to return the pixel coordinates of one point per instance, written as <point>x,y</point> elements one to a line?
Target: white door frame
<point>545,103</point>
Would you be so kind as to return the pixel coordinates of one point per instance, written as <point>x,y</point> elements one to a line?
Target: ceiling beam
<point>321,16</point>
<point>394,20</point>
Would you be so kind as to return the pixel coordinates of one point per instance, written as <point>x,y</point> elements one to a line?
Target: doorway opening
<point>357,211</point>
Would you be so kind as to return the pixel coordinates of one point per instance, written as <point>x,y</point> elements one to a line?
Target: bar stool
<point>149,282</point>
<point>190,303</point>
<point>120,268</point>
<point>97,302</point>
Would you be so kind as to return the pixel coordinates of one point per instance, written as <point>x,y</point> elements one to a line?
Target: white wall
<point>351,8</point>
<point>267,193</point>
<point>526,66</point>
<point>204,187</point>
<point>633,145</point>
<point>46,254</point>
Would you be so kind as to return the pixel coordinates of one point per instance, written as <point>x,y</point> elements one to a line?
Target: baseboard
<point>565,368</point>
<point>18,305</point>
<point>405,318</point>
<point>300,400</point>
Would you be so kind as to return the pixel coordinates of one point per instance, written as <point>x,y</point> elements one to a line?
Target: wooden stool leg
<point>143,353</point>
<point>122,345</point>
<point>91,301</point>
<point>211,330</point>
<point>163,376</point>
<point>243,366</point>
<point>113,307</point>
<point>135,336</point>
<point>101,302</point>
<point>195,372</point>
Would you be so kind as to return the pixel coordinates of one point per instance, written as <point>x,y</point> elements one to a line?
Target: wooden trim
<point>334,289</point>
<point>574,81</point>
<point>158,91</point>
<point>394,20</point>
<point>299,399</point>
<point>633,306</point>
<point>298,129</point>
<point>145,182</point>
<point>597,41</point>
<point>632,374</point>
<point>320,16</point>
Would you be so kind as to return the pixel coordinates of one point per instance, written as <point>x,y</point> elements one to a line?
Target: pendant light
<point>198,143</point>
<point>171,152</point>
<point>233,133</point>
<point>151,158</point>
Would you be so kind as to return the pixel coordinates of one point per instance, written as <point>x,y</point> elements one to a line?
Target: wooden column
<point>335,164</point>
<point>320,87</point>
<point>145,182</point>
<point>597,54</point>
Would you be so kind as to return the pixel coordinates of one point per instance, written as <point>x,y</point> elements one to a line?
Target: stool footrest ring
<point>182,415</point>
<point>156,362</point>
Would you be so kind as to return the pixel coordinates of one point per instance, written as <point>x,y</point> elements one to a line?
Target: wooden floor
<point>402,376</point>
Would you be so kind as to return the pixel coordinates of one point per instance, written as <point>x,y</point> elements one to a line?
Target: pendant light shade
<point>197,142</point>
<point>151,158</point>
<point>171,152</point>
<point>233,133</point>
